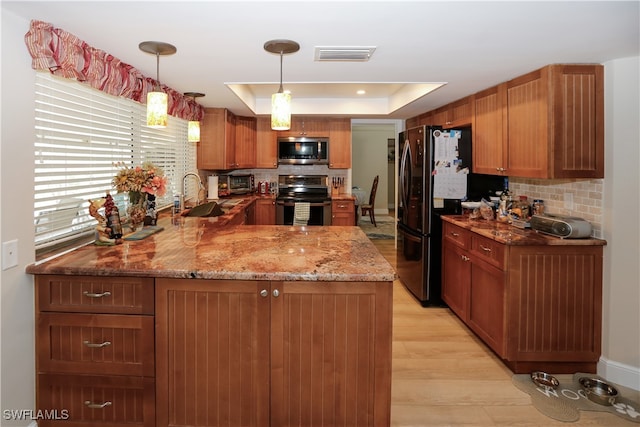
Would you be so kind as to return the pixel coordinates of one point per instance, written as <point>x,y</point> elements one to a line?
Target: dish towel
<point>301,213</point>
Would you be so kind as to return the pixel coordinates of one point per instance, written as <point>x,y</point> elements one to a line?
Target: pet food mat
<point>566,401</point>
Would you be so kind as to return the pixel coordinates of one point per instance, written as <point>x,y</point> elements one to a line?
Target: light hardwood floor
<point>444,376</point>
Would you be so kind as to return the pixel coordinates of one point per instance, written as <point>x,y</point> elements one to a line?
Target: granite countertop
<point>510,235</point>
<point>208,248</point>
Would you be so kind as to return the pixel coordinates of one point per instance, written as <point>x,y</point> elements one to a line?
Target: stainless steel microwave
<point>303,151</point>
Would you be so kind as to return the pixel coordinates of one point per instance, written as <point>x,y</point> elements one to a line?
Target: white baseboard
<point>619,373</point>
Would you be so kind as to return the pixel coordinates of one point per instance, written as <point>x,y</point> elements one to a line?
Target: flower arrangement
<point>147,178</point>
<point>143,183</point>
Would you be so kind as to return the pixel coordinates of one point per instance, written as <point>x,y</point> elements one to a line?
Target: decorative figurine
<point>102,230</point>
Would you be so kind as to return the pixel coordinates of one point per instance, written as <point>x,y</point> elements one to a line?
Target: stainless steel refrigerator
<point>435,177</point>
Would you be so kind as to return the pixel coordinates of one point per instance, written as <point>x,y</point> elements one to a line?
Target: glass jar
<point>538,207</point>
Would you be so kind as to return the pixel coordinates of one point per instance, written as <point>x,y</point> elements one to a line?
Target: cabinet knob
<point>276,293</point>
<point>92,295</point>
<point>264,293</point>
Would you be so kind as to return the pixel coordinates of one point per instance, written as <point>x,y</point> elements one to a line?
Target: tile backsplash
<point>587,196</point>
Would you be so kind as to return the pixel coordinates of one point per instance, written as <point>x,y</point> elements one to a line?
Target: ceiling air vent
<point>360,53</point>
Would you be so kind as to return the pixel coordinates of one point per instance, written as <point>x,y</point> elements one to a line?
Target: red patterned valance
<point>65,55</point>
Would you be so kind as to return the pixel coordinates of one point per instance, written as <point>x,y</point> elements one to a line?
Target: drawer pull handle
<point>454,234</point>
<point>485,249</point>
<point>97,405</point>
<point>93,345</point>
<point>92,295</point>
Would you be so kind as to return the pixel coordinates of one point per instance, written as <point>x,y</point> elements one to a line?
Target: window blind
<point>80,133</point>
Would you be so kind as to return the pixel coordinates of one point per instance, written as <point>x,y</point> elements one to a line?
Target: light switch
<point>9,254</point>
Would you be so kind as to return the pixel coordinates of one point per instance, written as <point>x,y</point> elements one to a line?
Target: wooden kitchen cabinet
<point>254,353</point>
<point>343,212</point>
<point>536,307</point>
<point>306,126</point>
<point>266,144</point>
<point>545,124</point>
<point>226,141</point>
<point>340,144</point>
<point>95,350</point>
<point>265,211</point>
<point>454,115</point>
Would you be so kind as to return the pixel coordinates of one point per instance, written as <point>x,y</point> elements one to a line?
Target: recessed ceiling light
<point>361,92</point>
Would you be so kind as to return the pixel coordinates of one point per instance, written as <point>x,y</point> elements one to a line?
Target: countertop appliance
<point>569,227</point>
<point>435,176</point>
<point>303,151</point>
<point>235,184</point>
<point>303,189</point>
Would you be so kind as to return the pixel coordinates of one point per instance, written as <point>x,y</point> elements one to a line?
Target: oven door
<point>319,212</point>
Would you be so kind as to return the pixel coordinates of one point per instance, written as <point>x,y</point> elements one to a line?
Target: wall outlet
<point>568,201</point>
<point>9,254</point>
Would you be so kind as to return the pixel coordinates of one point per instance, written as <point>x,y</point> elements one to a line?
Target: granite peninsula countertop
<point>508,234</point>
<point>208,248</point>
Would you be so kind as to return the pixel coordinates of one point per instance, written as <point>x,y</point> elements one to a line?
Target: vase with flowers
<point>141,183</point>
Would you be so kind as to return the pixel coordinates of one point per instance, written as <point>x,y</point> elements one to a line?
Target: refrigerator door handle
<point>406,155</point>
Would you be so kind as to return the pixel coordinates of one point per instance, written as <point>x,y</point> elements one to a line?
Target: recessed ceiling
<point>331,98</point>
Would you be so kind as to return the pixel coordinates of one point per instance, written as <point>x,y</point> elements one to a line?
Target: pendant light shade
<point>280,101</point>
<point>193,129</point>
<point>157,101</point>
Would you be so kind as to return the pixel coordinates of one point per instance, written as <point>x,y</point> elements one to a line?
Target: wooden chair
<point>370,207</point>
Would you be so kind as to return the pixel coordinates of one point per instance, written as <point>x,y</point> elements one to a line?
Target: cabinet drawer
<point>339,206</point>
<point>90,294</point>
<point>457,235</point>
<point>96,400</point>
<point>489,251</point>
<point>96,344</point>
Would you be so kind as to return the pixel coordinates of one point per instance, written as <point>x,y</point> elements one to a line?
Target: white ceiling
<point>468,46</point>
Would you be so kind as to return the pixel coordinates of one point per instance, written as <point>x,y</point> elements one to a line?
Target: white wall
<point>620,360</point>
<point>17,370</point>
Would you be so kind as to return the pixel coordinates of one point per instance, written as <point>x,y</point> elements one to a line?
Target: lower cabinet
<point>265,211</point>
<point>536,307</point>
<point>273,353</point>
<point>95,359</point>
<point>343,212</point>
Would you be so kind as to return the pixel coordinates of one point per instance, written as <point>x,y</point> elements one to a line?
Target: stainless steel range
<point>311,189</point>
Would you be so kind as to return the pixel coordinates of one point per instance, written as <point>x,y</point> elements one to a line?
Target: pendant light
<point>193,132</point>
<point>280,101</point>
<point>157,101</point>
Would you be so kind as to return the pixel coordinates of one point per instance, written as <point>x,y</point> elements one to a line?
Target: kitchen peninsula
<point>205,323</point>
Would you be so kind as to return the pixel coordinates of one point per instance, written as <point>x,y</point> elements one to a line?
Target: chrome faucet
<point>200,185</point>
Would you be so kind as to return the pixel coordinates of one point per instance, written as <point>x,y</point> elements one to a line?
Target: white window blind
<point>80,133</point>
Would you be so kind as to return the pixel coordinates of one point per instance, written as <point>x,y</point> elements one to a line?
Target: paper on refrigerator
<point>449,179</point>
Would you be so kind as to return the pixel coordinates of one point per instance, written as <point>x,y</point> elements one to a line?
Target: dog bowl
<point>542,379</point>
<point>599,391</point>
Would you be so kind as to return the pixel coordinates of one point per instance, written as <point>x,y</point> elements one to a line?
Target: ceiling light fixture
<point>193,130</point>
<point>281,101</point>
<point>157,101</point>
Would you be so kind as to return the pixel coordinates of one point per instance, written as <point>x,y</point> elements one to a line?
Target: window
<point>80,133</point>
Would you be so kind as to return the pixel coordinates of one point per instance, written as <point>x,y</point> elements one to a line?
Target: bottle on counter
<point>538,207</point>
<point>525,207</point>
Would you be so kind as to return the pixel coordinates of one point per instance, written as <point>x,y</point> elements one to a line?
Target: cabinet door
<point>331,353</point>
<point>216,149</point>
<point>266,211</point>
<point>486,304</point>
<point>456,275</point>
<point>460,113</point>
<point>212,353</point>
<point>488,132</point>
<point>340,144</point>
<point>528,124</point>
<point>245,143</point>
<point>267,145</point>
<point>306,126</point>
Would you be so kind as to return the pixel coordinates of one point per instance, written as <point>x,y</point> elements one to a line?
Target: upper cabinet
<point>555,123</point>
<point>340,144</point>
<point>226,141</point>
<point>302,126</point>
<point>267,145</point>
<point>545,124</point>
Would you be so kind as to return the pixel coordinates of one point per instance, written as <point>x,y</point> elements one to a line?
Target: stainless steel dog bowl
<point>599,391</point>
<point>542,379</point>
